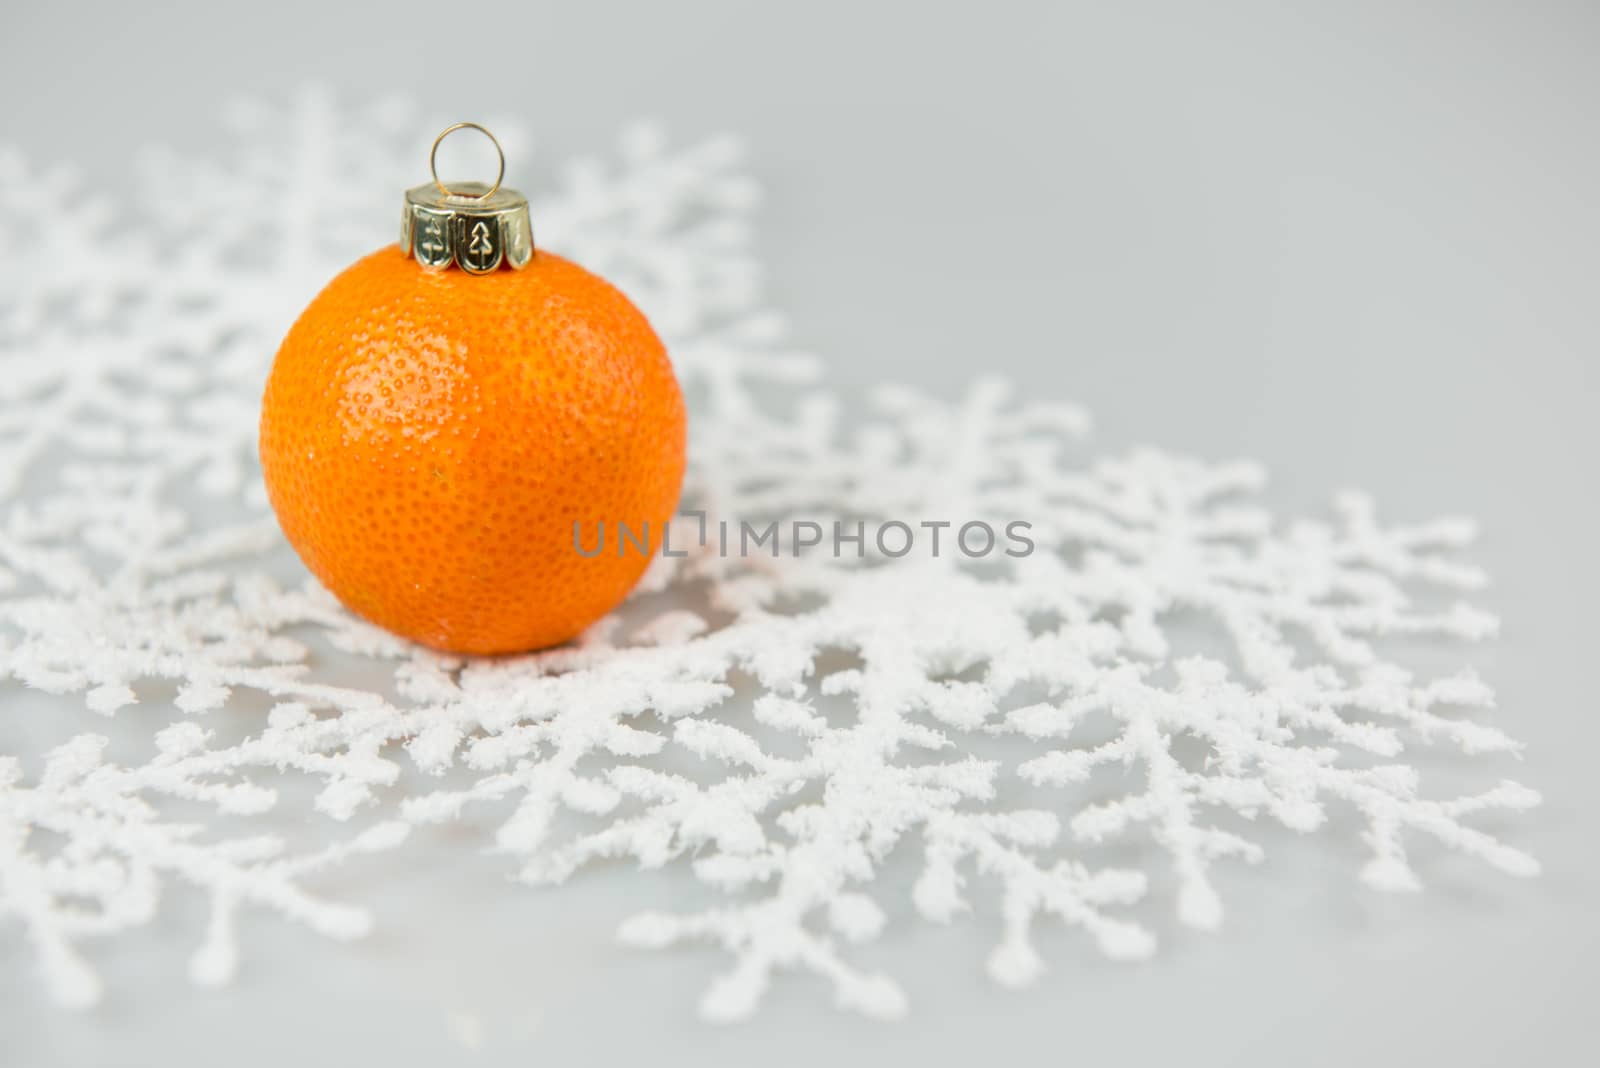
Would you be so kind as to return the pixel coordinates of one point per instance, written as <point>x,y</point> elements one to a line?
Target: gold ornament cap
<point>477,227</point>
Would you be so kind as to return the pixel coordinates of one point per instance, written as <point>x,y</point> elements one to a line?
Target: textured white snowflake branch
<point>784,726</point>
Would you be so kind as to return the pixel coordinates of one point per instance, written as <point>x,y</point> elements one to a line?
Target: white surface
<point>1358,245</point>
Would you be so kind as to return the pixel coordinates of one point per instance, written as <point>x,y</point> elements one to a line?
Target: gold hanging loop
<point>433,160</point>
<point>475,227</point>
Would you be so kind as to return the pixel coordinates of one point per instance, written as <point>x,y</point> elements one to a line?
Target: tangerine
<point>431,441</point>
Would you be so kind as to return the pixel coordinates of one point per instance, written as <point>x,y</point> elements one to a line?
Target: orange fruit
<point>430,438</point>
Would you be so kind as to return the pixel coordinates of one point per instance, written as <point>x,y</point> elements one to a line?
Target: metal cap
<point>477,227</point>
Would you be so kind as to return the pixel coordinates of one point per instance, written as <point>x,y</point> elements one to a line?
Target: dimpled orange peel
<point>447,414</point>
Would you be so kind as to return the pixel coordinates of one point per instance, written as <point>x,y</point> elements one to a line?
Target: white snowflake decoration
<point>780,724</point>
